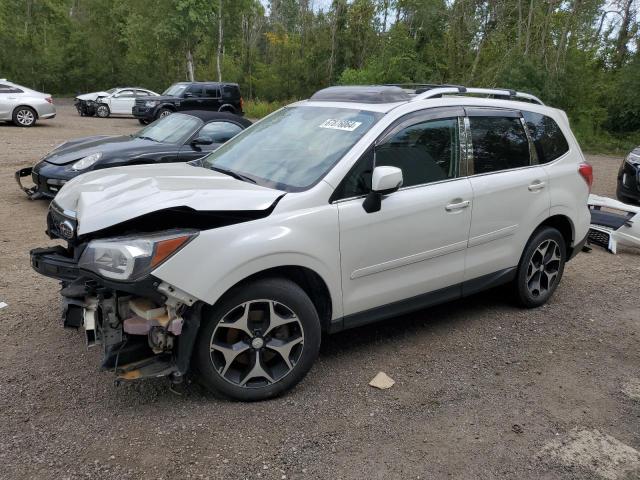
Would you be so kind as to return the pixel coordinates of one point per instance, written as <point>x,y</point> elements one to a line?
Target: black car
<point>212,96</point>
<point>629,178</point>
<point>181,137</point>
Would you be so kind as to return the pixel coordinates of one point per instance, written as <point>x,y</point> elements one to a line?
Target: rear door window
<point>211,91</point>
<point>499,143</point>
<point>9,89</point>
<point>547,137</point>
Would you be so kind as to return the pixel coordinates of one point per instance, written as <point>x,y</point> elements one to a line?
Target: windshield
<point>175,128</point>
<point>175,90</point>
<point>293,148</point>
<point>111,90</point>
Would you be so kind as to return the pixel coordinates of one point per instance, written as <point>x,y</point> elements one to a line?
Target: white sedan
<point>116,101</point>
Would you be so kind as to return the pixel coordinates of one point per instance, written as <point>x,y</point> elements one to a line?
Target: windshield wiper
<point>149,138</point>
<point>231,173</point>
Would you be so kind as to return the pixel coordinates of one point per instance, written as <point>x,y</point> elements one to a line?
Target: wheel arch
<point>564,225</point>
<point>35,110</point>
<point>227,107</point>
<point>306,278</point>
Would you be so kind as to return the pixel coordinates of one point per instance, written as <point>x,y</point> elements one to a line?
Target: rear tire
<point>259,341</point>
<point>541,267</point>
<point>103,111</point>
<point>143,121</point>
<point>24,117</point>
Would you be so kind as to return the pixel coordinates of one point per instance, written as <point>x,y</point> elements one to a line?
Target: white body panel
<point>413,245</point>
<point>299,232</point>
<point>505,214</point>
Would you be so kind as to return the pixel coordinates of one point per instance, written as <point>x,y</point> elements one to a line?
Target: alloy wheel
<point>543,268</point>
<point>25,117</point>
<point>257,343</point>
<point>164,113</point>
<point>102,111</point>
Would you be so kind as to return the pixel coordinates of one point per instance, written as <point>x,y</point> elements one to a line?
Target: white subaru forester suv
<point>359,204</point>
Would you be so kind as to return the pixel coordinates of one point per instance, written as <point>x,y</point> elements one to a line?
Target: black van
<point>213,96</point>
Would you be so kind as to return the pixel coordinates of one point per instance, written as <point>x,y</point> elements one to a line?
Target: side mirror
<point>188,95</point>
<point>385,180</point>
<point>202,141</point>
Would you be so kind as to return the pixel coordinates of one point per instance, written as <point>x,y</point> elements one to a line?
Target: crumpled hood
<point>92,95</point>
<point>104,198</point>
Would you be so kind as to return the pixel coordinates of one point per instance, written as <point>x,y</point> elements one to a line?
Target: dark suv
<point>213,96</point>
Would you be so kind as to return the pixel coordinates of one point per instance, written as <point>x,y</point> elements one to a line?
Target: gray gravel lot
<point>483,389</point>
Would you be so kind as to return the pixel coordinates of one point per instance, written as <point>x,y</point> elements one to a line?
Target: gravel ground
<point>483,389</point>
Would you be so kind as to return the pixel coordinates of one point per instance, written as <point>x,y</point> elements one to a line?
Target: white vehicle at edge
<point>24,106</point>
<point>116,101</point>
<point>358,204</point>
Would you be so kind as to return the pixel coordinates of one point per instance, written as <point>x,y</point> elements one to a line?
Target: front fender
<point>219,258</point>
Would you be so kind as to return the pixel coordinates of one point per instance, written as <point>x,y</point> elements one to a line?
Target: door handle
<point>457,206</point>
<point>536,186</point>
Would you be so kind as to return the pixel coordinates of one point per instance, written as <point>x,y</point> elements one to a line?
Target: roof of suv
<point>384,98</point>
<point>207,83</point>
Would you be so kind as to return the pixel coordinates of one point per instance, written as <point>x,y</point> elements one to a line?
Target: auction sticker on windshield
<point>346,125</point>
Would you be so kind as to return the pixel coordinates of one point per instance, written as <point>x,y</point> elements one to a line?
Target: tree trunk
<point>623,35</point>
<point>528,34</point>
<point>220,38</point>
<point>190,65</point>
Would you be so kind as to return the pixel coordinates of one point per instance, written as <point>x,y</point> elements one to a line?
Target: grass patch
<point>605,143</point>
<point>260,108</point>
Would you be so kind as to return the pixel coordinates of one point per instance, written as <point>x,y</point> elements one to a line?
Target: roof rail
<point>439,91</point>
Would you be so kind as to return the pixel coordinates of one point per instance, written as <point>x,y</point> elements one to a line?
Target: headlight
<point>130,258</point>
<point>87,161</point>
<point>633,158</point>
<point>150,103</point>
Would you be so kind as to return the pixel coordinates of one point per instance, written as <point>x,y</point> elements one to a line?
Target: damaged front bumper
<point>145,328</point>
<point>44,186</point>
<point>613,223</point>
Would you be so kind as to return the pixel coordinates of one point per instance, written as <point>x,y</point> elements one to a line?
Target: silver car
<point>24,106</point>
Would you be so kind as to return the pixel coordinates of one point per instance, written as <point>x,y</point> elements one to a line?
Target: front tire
<point>163,112</point>
<point>103,111</point>
<point>24,117</point>
<point>259,341</point>
<point>541,267</point>
<point>142,121</point>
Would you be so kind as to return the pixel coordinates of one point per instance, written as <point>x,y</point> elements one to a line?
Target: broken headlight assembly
<point>130,258</point>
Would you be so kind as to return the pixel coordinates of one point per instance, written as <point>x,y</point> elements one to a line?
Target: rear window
<point>547,137</point>
<point>212,91</point>
<point>499,143</point>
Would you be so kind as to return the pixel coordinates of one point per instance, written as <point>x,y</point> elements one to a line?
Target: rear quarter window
<point>549,141</point>
<point>499,143</point>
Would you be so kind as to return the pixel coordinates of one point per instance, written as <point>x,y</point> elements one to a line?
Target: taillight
<point>49,99</point>
<point>586,171</point>
<point>241,104</point>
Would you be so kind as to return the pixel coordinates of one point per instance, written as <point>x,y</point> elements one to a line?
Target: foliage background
<point>579,55</point>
